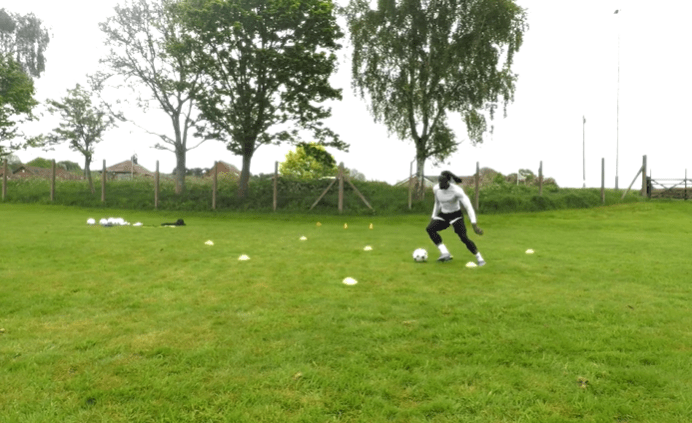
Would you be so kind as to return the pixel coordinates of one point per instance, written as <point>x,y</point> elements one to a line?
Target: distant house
<point>127,169</point>
<point>428,181</point>
<point>24,171</point>
<point>224,168</point>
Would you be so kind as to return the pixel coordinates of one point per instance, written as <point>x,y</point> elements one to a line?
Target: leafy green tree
<point>23,42</point>
<point>13,161</point>
<point>137,36</point>
<point>354,174</point>
<point>16,102</point>
<point>40,162</point>
<point>527,175</point>
<point>308,161</point>
<point>69,166</point>
<point>418,61</point>
<point>83,124</point>
<point>268,63</point>
<point>24,39</point>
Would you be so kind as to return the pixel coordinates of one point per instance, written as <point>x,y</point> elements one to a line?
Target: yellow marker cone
<point>371,226</point>
<point>345,225</point>
<point>319,224</point>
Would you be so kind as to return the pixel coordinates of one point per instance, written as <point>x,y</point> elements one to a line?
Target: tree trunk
<point>244,176</point>
<point>419,188</point>
<point>87,173</point>
<point>180,171</point>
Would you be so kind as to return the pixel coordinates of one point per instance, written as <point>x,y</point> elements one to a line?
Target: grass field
<point>149,324</point>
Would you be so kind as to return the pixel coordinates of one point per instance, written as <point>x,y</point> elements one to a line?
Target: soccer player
<point>447,212</point>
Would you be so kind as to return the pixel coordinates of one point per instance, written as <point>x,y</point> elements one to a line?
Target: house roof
<point>428,181</point>
<point>224,167</point>
<point>28,171</point>
<point>432,180</point>
<point>126,167</point>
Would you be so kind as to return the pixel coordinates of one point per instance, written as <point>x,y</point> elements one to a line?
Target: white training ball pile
<point>471,264</point>
<point>367,248</point>
<point>91,221</point>
<point>243,258</point>
<point>303,238</point>
<point>112,221</point>
<point>529,251</point>
<point>210,242</point>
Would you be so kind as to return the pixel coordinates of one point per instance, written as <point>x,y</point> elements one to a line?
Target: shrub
<point>296,196</point>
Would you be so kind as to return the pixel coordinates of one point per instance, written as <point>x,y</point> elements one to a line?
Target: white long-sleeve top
<point>450,200</point>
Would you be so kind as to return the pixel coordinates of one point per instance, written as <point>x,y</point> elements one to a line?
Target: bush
<point>295,196</point>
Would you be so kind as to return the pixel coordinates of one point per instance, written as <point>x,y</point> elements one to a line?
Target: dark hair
<point>450,176</point>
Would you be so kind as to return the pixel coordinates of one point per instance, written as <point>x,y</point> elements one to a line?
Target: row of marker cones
<point>345,225</point>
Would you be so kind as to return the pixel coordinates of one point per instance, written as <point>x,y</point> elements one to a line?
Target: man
<point>447,212</point>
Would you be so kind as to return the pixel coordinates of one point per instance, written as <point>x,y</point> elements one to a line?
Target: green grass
<point>149,324</point>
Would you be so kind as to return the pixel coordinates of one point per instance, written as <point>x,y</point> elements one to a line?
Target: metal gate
<point>668,188</point>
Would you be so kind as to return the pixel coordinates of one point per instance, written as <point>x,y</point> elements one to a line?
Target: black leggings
<point>457,218</point>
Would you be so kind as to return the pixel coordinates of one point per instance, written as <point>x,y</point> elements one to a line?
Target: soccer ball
<point>420,255</point>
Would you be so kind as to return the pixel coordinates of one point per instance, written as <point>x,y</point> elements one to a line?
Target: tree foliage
<point>40,162</point>
<point>83,124</point>
<point>24,39</point>
<point>308,161</point>
<point>12,161</point>
<point>23,42</point>
<point>268,64</point>
<point>137,36</point>
<point>418,61</point>
<point>69,166</point>
<point>16,101</point>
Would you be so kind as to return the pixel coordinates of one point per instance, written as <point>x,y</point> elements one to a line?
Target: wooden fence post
<point>478,187</point>
<point>214,185</point>
<point>156,187</point>
<point>603,180</point>
<point>643,192</point>
<point>52,181</point>
<point>103,183</point>
<point>4,180</point>
<point>276,181</point>
<point>540,179</point>
<point>410,185</point>
<point>341,187</point>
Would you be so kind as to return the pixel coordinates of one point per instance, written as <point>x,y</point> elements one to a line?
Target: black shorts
<point>449,218</point>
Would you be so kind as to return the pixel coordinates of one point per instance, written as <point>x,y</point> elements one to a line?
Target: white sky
<point>567,69</point>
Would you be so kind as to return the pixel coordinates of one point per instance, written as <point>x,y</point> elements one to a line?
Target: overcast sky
<point>567,67</point>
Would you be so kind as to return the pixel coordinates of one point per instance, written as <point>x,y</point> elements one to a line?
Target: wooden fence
<point>650,187</point>
<point>341,177</point>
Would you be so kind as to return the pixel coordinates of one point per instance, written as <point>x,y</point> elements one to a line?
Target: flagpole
<point>617,118</point>
<point>583,139</point>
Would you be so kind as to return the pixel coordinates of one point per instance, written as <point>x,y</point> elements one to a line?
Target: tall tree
<point>16,101</point>
<point>69,166</point>
<point>12,161</point>
<point>417,61</point>
<point>83,124</point>
<point>309,161</point>
<point>268,62</point>
<point>23,42</point>
<point>24,39</point>
<point>137,36</point>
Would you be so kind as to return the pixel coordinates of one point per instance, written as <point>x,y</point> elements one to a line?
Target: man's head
<point>446,177</point>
